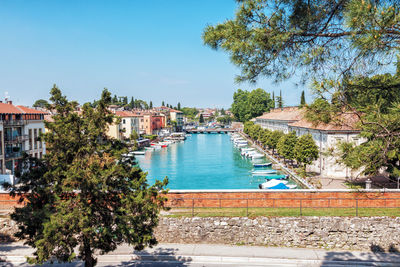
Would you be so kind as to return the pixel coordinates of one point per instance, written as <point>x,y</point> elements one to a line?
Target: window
<point>40,155</point>
<point>35,138</point>
<point>30,139</point>
<point>1,145</point>
<point>123,121</point>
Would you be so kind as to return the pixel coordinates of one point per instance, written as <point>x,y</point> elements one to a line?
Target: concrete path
<point>14,254</point>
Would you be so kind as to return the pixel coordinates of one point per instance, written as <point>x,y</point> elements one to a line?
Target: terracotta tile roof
<point>285,114</point>
<point>127,113</point>
<point>10,109</point>
<point>174,110</point>
<point>344,122</point>
<point>28,110</point>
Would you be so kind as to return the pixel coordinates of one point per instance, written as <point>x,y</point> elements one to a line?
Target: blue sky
<point>150,50</point>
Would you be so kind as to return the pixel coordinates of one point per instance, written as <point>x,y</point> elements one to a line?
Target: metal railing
<point>13,155</point>
<point>299,204</point>
<point>14,122</point>
<point>16,139</point>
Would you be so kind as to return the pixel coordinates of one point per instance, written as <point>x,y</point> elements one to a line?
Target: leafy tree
<point>286,145</point>
<point>190,112</point>
<point>247,126</point>
<point>40,103</point>
<point>302,99</point>
<point>226,119</point>
<point>305,150</point>
<point>179,106</point>
<point>272,141</point>
<point>223,113</point>
<point>247,105</point>
<point>201,119</point>
<point>83,194</point>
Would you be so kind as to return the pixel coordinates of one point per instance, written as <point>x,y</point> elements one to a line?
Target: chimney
<point>9,102</point>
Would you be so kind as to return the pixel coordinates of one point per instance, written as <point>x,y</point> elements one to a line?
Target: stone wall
<point>357,233</point>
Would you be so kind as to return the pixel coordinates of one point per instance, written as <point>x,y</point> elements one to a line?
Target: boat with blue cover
<point>261,165</point>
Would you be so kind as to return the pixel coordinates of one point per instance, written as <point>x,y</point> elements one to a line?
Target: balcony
<point>16,139</point>
<point>14,122</point>
<point>13,155</point>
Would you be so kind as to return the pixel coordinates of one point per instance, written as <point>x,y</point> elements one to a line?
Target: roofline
<point>333,131</point>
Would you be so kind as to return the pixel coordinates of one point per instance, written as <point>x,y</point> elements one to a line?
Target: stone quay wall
<point>347,233</point>
<point>355,233</point>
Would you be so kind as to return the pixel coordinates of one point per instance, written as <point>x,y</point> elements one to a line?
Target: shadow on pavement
<point>378,255</point>
<point>157,257</point>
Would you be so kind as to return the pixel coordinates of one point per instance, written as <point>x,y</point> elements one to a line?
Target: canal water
<point>202,161</point>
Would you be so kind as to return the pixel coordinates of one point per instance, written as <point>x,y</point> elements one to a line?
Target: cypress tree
<point>179,106</point>
<point>151,104</point>
<point>201,118</point>
<point>83,195</point>
<point>273,99</point>
<point>163,104</point>
<point>302,99</point>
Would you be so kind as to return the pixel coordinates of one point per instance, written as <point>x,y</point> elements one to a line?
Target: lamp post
<point>398,182</point>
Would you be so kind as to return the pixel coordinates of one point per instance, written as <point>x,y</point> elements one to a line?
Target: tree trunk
<point>88,254</point>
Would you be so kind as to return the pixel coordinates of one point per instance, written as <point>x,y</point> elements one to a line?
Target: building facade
<point>326,137</point>
<point>20,130</point>
<point>177,116</point>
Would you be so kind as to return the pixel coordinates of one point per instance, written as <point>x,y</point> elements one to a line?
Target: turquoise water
<point>202,161</point>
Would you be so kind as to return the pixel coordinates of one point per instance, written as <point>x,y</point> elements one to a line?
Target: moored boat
<point>264,172</point>
<point>261,165</point>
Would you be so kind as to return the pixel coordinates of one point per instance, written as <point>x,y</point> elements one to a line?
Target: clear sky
<point>150,50</point>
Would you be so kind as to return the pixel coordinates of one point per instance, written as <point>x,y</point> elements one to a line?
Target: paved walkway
<point>13,254</point>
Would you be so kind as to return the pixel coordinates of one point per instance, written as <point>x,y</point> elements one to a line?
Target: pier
<point>211,130</point>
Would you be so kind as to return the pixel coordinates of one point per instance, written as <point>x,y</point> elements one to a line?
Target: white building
<point>176,115</point>
<point>326,136</point>
<point>20,128</point>
<point>129,123</point>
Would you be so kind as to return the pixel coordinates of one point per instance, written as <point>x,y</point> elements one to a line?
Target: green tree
<point>273,99</point>
<point>305,150</point>
<point>286,145</point>
<point>132,103</point>
<point>247,105</point>
<point>82,195</point>
<point>223,113</point>
<point>201,119</point>
<point>151,105</point>
<point>115,100</point>
<point>163,104</point>
<point>40,103</point>
<point>247,126</point>
<point>272,141</point>
<point>302,99</point>
<point>279,100</point>
<point>179,106</point>
<point>190,112</point>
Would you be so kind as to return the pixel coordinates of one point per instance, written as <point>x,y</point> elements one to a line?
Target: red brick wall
<point>267,199</point>
<point>285,199</point>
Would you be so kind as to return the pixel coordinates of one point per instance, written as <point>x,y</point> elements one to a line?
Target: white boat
<point>264,172</point>
<point>272,183</point>
<point>257,156</point>
<point>149,148</point>
<point>138,152</point>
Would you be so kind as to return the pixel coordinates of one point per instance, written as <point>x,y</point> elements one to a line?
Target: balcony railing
<point>13,155</point>
<point>14,122</point>
<point>16,139</point>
